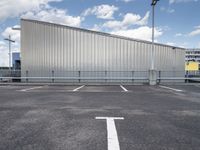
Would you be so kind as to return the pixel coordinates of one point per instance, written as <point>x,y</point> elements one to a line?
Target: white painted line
<point>78,88</point>
<point>165,87</point>
<point>197,85</point>
<point>113,142</point>
<point>124,88</point>
<point>33,88</point>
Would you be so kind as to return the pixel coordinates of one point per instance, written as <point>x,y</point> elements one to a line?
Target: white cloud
<point>178,34</point>
<point>124,27</point>
<point>144,33</point>
<point>15,34</point>
<point>54,15</point>
<point>126,1</point>
<point>144,20</point>
<point>128,20</point>
<point>37,9</point>
<point>171,43</point>
<point>14,8</point>
<point>102,11</point>
<point>96,28</point>
<point>195,32</point>
<point>183,45</point>
<point>181,1</point>
<point>168,10</point>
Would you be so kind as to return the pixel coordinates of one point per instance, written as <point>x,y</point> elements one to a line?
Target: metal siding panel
<point>51,47</point>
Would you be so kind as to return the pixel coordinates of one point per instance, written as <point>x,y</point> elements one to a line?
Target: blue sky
<point>177,21</point>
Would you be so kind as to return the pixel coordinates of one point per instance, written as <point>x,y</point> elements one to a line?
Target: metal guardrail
<point>101,76</point>
<point>53,76</point>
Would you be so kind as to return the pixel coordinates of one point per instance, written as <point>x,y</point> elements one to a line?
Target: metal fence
<point>99,76</point>
<point>10,75</point>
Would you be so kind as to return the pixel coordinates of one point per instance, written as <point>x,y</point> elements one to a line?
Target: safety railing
<point>96,76</point>
<point>178,76</point>
<point>10,75</point>
<point>75,76</point>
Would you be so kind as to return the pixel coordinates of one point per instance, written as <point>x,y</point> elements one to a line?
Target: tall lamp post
<point>153,4</point>
<point>153,73</point>
<point>9,43</point>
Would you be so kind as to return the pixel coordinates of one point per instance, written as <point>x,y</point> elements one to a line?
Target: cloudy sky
<point>177,21</point>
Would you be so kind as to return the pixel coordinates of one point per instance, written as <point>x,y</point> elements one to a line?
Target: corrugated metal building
<point>53,50</point>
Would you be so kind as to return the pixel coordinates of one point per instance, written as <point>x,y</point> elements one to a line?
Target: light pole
<point>153,72</point>
<point>9,43</point>
<point>153,4</point>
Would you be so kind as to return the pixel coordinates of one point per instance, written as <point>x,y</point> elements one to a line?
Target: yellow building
<point>191,66</point>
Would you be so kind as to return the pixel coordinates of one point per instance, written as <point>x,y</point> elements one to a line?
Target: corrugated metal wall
<point>47,47</point>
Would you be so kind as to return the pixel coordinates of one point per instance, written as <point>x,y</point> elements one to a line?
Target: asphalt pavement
<point>81,117</point>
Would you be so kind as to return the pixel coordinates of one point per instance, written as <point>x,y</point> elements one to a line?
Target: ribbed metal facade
<point>48,49</point>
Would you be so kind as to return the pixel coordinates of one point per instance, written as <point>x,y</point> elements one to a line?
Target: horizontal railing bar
<point>178,78</point>
<point>79,78</point>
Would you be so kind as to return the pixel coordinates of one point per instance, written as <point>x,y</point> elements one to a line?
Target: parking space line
<point>165,87</point>
<point>197,85</point>
<point>112,137</point>
<point>28,89</point>
<point>78,88</point>
<point>124,88</point>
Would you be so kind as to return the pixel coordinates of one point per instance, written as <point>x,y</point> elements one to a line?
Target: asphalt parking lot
<point>119,117</point>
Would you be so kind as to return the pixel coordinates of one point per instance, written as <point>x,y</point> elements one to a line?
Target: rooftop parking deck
<point>67,117</point>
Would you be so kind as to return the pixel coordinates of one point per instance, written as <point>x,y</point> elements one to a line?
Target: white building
<point>63,52</point>
<point>193,55</point>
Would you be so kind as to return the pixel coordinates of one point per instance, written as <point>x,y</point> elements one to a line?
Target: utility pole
<point>9,45</point>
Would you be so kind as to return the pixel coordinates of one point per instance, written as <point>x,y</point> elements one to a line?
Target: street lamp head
<point>154,2</point>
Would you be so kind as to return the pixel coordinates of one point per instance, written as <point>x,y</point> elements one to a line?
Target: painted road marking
<point>198,85</point>
<point>78,88</point>
<point>165,87</point>
<point>113,142</point>
<point>33,88</point>
<point>124,88</point>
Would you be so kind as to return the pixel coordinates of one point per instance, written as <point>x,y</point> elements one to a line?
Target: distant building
<point>16,64</point>
<point>193,55</point>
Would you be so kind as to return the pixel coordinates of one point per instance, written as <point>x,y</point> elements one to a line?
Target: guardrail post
<point>105,76</point>
<point>187,75</point>
<point>10,75</point>
<point>79,76</point>
<point>1,75</point>
<point>52,75</point>
<point>26,75</point>
<point>159,75</point>
<point>132,76</point>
